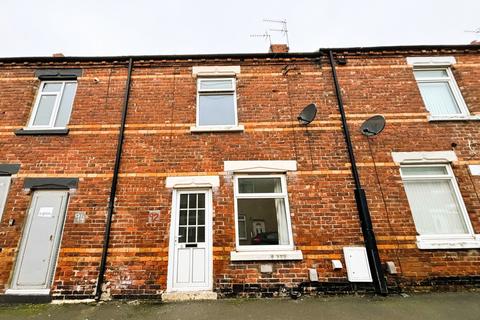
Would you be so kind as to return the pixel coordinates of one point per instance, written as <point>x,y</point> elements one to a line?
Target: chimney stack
<point>58,55</point>
<point>475,42</point>
<point>278,48</point>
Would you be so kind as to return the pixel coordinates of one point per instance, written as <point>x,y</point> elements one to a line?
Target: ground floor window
<point>262,213</point>
<point>435,200</point>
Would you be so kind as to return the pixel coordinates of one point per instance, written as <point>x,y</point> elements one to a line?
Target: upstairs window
<point>216,102</point>
<point>53,105</point>
<point>440,92</point>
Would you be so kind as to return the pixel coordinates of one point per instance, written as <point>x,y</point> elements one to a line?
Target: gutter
<point>378,277</point>
<point>214,56</point>
<point>113,190</point>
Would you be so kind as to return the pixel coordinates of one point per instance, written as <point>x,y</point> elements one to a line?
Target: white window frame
<point>445,241</point>
<point>233,91</point>
<point>450,80</point>
<point>54,115</point>
<point>3,197</point>
<point>283,195</point>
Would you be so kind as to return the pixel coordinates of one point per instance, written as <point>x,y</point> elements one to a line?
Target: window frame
<point>422,240</point>
<point>56,108</point>
<point>212,92</point>
<point>282,195</point>
<point>4,197</point>
<point>452,84</point>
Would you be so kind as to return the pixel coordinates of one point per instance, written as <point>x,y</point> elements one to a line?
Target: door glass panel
<point>183,217</point>
<point>44,110</point>
<point>183,201</point>
<point>192,217</point>
<point>201,234</point>
<point>201,200</point>
<point>201,217</point>
<point>192,200</point>
<point>182,235</point>
<point>191,234</point>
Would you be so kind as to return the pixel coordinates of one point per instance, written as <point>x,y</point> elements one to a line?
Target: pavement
<point>438,306</point>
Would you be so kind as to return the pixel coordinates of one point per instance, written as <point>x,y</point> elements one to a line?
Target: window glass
<point>266,221</point>
<point>421,74</point>
<point>434,207</point>
<point>216,109</point>
<point>430,170</point>
<point>52,87</point>
<point>259,185</point>
<point>4,186</point>
<point>216,85</point>
<point>44,110</point>
<point>439,98</point>
<point>65,109</point>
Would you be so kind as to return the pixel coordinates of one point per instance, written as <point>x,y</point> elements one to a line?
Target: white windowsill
<point>238,128</point>
<point>266,255</point>
<point>454,118</point>
<point>449,242</point>
<point>30,292</point>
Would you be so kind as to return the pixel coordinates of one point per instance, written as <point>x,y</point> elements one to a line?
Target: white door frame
<point>174,217</point>
<point>55,248</point>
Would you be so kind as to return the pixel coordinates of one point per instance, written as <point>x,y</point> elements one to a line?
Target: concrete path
<point>437,306</point>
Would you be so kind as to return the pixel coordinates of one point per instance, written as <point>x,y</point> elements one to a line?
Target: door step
<point>25,298</point>
<point>189,296</point>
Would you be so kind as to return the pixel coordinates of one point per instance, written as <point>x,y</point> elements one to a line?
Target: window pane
<point>192,200</point>
<point>183,217</point>
<point>417,171</point>
<point>216,85</point>
<point>435,207</point>
<point>201,234</point>
<point>266,221</point>
<point>183,201</point>
<point>216,110</point>
<point>52,87</point>
<point>421,74</point>
<point>65,109</point>
<point>44,111</point>
<point>192,234</point>
<point>182,234</point>
<point>438,98</point>
<point>201,217</point>
<point>242,228</point>
<point>4,186</point>
<point>259,185</point>
<point>192,217</point>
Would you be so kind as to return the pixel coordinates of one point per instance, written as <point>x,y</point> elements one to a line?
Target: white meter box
<point>356,260</point>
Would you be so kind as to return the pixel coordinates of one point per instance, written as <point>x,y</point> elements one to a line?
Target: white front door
<point>190,256</point>
<point>37,254</point>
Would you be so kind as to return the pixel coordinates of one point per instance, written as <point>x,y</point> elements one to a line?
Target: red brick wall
<point>271,93</point>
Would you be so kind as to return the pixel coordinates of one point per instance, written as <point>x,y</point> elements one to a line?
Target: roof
<point>314,54</point>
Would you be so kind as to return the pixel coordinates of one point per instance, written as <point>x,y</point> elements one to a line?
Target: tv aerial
<point>308,114</point>
<point>373,126</point>
<point>282,30</point>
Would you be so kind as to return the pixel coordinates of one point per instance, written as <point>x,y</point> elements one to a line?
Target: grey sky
<point>121,27</point>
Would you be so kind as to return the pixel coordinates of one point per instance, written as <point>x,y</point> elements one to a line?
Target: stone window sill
<point>454,118</point>
<point>39,132</point>
<point>446,242</point>
<point>266,255</point>
<point>200,129</point>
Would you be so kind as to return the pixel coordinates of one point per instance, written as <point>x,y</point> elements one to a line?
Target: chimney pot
<point>278,48</point>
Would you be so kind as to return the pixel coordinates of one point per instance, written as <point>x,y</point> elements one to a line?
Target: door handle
<point>51,237</point>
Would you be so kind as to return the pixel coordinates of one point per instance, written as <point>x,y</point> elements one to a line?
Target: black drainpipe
<point>362,205</point>
<point>113,190</point>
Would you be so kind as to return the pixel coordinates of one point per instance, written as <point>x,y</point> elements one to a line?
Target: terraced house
<point>174,176</point>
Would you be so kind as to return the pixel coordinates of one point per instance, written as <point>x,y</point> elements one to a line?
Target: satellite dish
<point>308,114</point>
<point>373,126</point>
